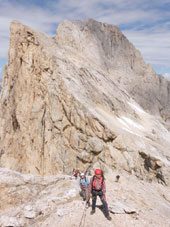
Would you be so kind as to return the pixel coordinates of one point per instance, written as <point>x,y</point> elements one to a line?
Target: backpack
<point>94,181</point>
<point>76,172</point>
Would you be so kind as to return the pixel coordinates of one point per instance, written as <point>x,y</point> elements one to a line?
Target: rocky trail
<point>28,200</point>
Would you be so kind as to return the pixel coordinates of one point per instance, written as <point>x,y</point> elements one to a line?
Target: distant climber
<point>84,182</point>
<point>76,172</point>
<point>117,178</point>
<point>97,187</point>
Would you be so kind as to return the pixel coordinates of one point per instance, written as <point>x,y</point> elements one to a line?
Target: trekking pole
<point>83,224</point>
<point>83,216</point>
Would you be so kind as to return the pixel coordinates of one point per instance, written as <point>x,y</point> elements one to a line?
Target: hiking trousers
<point>84,193</point>
<point>94,198</point>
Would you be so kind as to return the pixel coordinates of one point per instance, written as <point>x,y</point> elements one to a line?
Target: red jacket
<point>98,185</point>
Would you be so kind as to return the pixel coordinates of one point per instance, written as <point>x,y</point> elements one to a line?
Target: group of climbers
<point>96,187</point>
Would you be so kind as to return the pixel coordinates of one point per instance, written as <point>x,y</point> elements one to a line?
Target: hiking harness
<point>94,182</point>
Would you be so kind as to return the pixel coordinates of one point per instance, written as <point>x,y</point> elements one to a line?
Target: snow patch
<point>121,121</point>
<point>127,122</point>
<point>128,130</point>
<point>167,76</point>
<point>132,123</point>
<point>137,108</point>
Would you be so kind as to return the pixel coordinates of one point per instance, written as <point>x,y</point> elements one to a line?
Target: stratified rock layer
<point>71,101</point>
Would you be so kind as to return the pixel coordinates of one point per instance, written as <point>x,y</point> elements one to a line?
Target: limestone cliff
<point>71,101</point>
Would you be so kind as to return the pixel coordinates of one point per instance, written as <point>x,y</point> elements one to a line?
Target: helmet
<point>82,174</point>
<point>98,172</point>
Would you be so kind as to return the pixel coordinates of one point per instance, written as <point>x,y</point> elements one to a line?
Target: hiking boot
<point>92,212</point>
<point>109,218</point>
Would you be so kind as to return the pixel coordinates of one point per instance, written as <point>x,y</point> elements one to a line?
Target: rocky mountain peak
<point>101,43</point>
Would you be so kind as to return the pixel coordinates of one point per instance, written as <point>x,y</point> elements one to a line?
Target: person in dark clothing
<point>97,187</point>
<point>117,178</point>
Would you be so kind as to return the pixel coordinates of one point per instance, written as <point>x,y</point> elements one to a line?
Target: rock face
<point>84,98</point>
<point>107,48</point>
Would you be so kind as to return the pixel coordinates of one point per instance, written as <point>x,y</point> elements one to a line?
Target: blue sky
<point>146,23</point>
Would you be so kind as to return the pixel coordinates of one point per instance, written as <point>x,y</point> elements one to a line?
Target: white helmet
<point>82,174</point>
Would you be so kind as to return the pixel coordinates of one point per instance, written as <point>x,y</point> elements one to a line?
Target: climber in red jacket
<point>97,187</point>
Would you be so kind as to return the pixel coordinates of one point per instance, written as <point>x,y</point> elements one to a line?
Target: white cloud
<point>136,17</point>
<point>167,76</point>
<point>35,17</point>
<point>153,43</point>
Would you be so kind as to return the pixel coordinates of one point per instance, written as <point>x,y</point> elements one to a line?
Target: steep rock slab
<point>106,47</point>
<point>46,116</point>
